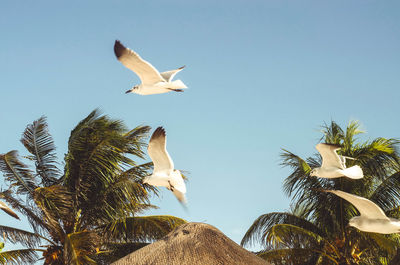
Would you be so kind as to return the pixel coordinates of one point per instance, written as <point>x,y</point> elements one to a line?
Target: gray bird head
<point>356,222</point>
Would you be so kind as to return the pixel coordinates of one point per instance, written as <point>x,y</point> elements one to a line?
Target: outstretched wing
<point>169,75</point>
<point>329,156</point>
<point>180,196</point>
<point>158,152</point>
<point>8,210</point>
<point>147,73</point>
<point>366,207</point>
<point>179,186</point>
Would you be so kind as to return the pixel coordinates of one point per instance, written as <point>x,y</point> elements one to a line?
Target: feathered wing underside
<point>366,207</point>
<point>147,73</point>
<point>329,156</point>
<point>180,196</point>
<point>158,152</point>
<point>179,186</point>
<point>169,75</point>
<point>8,210</point>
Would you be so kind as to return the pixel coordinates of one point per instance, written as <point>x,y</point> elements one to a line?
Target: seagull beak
<point>129,91</point>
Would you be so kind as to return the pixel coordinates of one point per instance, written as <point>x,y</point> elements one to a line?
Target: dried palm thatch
<point>195,244</point>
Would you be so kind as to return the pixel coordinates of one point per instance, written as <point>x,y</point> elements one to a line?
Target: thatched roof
<point>195,244</point>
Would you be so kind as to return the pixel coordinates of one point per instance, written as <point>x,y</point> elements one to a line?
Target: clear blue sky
<point>262,75</point>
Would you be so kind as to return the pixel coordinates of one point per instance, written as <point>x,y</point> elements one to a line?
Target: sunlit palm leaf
<point>18,256</point>
<point>258,231</point>
<point>142,228</point>
<point>80,246</point>
<point>55,201</point>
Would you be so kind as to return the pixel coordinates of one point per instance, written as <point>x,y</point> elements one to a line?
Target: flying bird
<point>372,218</point>
<point>164,173</point>
<point>153,82</point>
<point>333,165</point>
<point>8,210</point>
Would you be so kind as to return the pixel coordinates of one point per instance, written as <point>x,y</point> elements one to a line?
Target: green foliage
<point>316,231</point>
<point>83,212</point>
<point>19,256</point>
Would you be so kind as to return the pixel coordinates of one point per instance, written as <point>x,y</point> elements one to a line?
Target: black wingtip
<point>160,131</point>
<point>333,145</point>
<point>180,68</point>
<point>118,48</point>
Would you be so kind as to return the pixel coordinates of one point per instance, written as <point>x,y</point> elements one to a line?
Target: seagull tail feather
<point>178,84</point>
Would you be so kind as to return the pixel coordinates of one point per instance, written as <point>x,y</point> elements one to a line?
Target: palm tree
<point>80,214</point>
<point>315,231</point>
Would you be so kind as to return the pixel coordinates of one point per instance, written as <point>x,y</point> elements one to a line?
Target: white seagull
<point>372,218</point>
<point>153,82</point>
<point>8,210</point>
<point>333,165</point>
<point>164,173</point>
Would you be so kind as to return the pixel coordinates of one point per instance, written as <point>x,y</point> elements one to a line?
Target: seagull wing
<point>180,196</point>
<point>366,207</point>
<point>7,209</point>
<point>329,156</point>
<point>169,75</point>
<point>179,185</point>
<point>147,73</point>
<point>158,152</point>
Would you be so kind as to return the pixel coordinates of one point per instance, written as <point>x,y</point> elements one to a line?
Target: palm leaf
<point>296,256</point>
<point>55,201</point>
<point>40,144</point>
<point>142,228</point>
<point>79,246</point>
<point>33,216</point>
<point>259,230</point>
<point>17,173</point>
<point>14,235</point>
<point>19,256</point>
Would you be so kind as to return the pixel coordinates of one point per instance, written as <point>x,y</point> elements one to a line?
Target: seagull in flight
<point>333,165</point>
<point>372,218</point>
<point>153,82</point>
<point>164,173</point>
<point>8,210</point>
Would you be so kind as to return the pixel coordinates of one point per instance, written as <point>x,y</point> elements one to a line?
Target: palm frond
<point>301,170</point>
<point>80,246</point>
<point>333,134</point>
<point>258,231</point>
<point>136,141</point>
<point>14,235</point>
<point>40,144</point>
<point>387,193</point>
<point>55,201</point>
<point>141,228</point>
<point>297,256</point>
<point>34,217</point>
<point>384,242</point>
<point>379,157</point>
<point>18,256</point>
<point>115,251</point>
<point>17,173</point>
<point>96,155</point>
